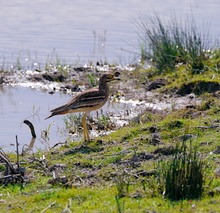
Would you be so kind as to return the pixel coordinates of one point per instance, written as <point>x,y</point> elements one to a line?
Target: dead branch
<point>12,174</point>
<point>31,128</point>
<point>4,158</point>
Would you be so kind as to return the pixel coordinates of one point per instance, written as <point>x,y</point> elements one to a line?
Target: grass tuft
<point>171,43</point>
<point>184,176</point>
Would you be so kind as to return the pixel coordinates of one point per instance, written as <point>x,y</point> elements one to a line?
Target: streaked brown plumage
<point>88,100</point>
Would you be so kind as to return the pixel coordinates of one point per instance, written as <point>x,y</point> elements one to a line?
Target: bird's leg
<point>85,130</point>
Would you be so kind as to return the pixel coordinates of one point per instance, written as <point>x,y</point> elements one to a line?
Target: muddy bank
<point>75,79</point>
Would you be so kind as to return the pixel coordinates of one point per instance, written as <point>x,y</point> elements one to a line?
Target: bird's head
<point>108,77</point>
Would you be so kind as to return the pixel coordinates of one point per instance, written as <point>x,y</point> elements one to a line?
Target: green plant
<point>91,80</point>
<point>45,135</point>
<point>172,42</point>
<point>104,122</point>
<point>184,175</point>
<point>174,124</point>
<point>73,120</point>
<point>120,205</point>
<point>122,184</point>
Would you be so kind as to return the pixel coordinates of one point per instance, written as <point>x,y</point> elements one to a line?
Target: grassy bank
<point>125,170</point>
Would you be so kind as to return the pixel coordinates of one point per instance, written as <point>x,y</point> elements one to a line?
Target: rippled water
<point>82,30</point>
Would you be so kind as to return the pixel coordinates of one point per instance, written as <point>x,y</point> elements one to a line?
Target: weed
<point>122,185</point>
<point>45,135</point>
<point>184,175</point>
<point>92,81</point>
<point>73,121</point>
<point>172,43</point>
<point>174,124</point>
<point>120,205</point>
<point>104,122</point>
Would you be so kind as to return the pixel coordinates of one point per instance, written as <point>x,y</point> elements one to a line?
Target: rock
<point>157,84</point>
<point>155,139</point>
<point>1,80</point>
<point>53,77</point>
<point>217,151</point>
<point>217,172</point>
<point>165,150</point>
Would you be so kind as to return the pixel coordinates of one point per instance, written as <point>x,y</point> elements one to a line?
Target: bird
<point>88,100</point>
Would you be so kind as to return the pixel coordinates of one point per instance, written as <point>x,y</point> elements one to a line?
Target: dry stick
<point>5,159</point>
<point>31,128</point>
<point>52,204</point>
<point>17,152</point>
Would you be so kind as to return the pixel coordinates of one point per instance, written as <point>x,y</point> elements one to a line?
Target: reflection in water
<point>18,104</point>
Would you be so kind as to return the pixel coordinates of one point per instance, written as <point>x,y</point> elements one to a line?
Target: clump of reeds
<point>184,175</point>
<point>173,42</point>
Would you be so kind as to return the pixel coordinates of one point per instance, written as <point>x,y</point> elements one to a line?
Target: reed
<point>184,175</point>
<point>173,42</point>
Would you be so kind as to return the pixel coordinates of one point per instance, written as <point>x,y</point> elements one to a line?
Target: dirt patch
<point>158,83</point>
<point>199,87</point>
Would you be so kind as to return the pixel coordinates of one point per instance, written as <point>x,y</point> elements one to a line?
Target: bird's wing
<point>87,98</point>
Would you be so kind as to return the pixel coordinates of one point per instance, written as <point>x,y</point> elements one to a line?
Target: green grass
<point>170,43</point>
<point>98,199</point>
<point>112,176</point>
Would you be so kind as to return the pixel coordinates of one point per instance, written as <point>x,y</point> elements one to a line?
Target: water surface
<point>82,30</point>
<point>23,103</point>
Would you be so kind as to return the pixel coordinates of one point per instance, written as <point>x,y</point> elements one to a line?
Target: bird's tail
<point>56,112</point>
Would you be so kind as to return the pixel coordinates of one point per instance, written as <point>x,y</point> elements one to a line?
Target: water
<point>20,103</point>
<point>80,31</point>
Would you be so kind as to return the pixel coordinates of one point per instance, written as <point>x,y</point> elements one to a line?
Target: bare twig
<point>17,151</point>
<point>59,143</point>
<point>68,204</point>
<point>52,204</point>
<point>8,163</point>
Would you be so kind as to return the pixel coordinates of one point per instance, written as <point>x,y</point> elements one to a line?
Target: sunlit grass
<point>174,42</point>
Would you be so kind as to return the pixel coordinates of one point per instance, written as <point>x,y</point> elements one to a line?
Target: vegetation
<point>184,177</point>
<point>173,43</point>
<point>162,161</point>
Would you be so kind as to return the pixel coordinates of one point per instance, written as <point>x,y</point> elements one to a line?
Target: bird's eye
<point>110,76</point>
<point>117,74</point>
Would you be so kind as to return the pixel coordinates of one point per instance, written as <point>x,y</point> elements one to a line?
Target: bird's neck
<point>103,86</point>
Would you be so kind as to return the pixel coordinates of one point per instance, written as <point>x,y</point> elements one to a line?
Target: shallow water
<point>20,103</point>
<point>84,31</point>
